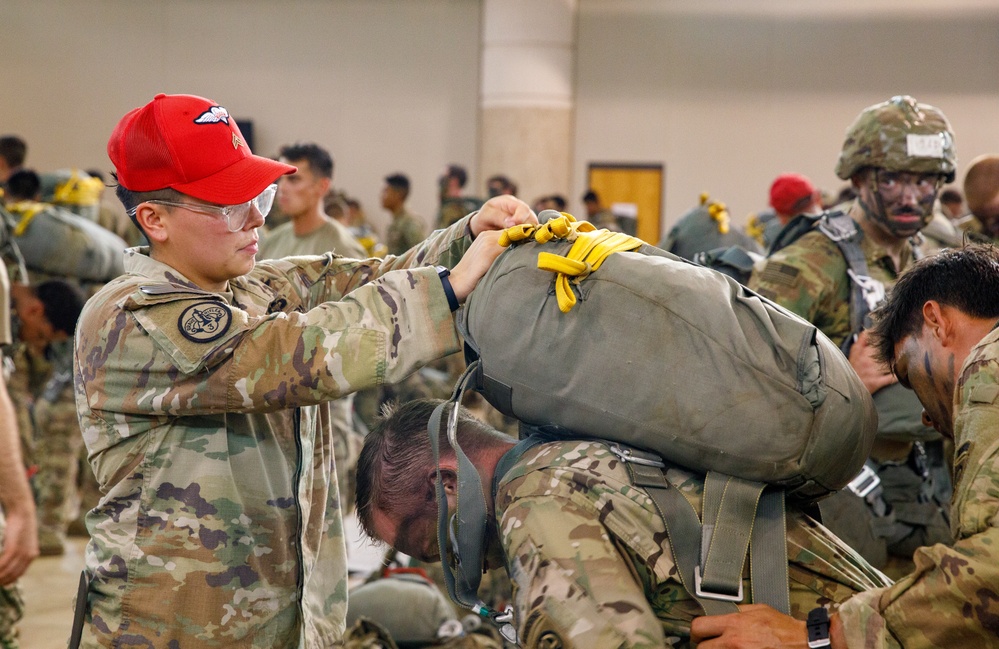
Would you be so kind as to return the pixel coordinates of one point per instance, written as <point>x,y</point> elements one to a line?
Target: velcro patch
<point>783,274</point>
<point>983,393</point>
<point>924,146</point>
<point>205,321</point>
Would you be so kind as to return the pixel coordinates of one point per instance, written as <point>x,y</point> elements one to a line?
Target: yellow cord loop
<point>589,250</point>
<point>26,212</point>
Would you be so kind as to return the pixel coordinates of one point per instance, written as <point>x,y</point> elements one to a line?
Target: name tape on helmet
<point>924,146</point>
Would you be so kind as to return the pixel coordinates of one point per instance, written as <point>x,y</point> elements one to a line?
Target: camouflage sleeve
<point>325,277</point>
<point>572,587</point>
<point>808,278</point>
<point>952,597</point>
<point>195,354</point>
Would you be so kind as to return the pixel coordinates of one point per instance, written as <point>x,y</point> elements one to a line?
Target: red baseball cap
<point>788,191</point>
<point>190,144</point>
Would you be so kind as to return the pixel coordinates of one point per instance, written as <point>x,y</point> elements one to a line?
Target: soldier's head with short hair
<point>898,154</point>
<point>13,151</point>
<point>500,184</point>
<point>915,330</point>
<point>191,184</point>
<point>395,192</point>
<point>981,191</point>
<point>452,181</point>
<point>397,475</point>
<point>300,194</point>
<point>46,312</point>
<point>22,185</point>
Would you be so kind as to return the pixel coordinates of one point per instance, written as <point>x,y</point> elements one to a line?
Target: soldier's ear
<point>937,320</point>
<point>449,478</point>
<point>150,217</point>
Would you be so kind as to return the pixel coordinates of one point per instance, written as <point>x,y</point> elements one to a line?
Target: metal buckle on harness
<point>709,595</point>
<point>866,481</point>
<point>628,455</point>
<point>872,289</point>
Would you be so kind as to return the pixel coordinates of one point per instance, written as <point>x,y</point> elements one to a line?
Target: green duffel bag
<point>662,354</point>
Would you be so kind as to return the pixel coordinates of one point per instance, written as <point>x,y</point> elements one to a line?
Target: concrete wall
<point>726,94</point>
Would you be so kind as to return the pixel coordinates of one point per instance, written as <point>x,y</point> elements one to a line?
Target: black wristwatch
<point>818,628</point>
<point>452,299</point>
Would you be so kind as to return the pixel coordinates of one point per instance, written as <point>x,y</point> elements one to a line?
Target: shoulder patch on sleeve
<point>776,272</point>
<point>983,393</point>
<point>205,321</point>
<point>190,328</point>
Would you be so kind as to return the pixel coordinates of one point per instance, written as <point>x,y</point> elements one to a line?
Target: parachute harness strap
<point>590,248</point>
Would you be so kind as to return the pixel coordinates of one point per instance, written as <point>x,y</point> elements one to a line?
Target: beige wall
<point>726,94</point>
<point>727,101</point>
<point>387,86</point>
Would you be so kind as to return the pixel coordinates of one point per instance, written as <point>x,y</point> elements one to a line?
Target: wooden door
<point>631,191</point>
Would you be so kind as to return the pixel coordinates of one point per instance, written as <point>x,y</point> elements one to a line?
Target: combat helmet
<point>899,135</point>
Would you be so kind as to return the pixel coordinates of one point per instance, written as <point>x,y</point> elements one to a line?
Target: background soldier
<point>18,533</point>
<point>405,230</point>
<point>897,154</point>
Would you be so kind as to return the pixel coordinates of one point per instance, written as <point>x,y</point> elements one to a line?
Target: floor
<point>50,585</point>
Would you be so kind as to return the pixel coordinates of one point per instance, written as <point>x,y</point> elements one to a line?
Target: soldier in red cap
<point>794,194</point>
<point>203,380</point>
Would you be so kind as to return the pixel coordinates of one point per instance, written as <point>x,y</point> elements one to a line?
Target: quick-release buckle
<point>866,481</point>
<point>872,289</point>
<point>709,595</point>
<point>628,455</point>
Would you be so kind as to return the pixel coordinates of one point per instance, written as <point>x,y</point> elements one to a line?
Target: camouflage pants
<point>11,607</point>
<point>58,444</point>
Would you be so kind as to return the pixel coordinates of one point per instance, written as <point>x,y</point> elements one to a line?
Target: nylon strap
<point>683,530</point>
<point>728,513</point>
<point>768,553</point>
<point>768,549</point>
<point>465,532</point>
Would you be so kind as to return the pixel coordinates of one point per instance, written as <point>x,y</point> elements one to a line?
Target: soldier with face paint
<point>939,332</point>
<point>203,382</point>
<point>897,154</point>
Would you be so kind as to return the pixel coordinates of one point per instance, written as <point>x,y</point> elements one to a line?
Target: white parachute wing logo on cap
<point>214,115</point>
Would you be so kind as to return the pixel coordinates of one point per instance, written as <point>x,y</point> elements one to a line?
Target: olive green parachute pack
<point>585,333</point>
<point>56,242</point>
<point>74,190</point>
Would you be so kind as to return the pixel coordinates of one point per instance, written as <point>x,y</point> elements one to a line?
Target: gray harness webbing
<point>710,552</point>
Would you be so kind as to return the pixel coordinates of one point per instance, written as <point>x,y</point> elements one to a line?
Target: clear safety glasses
<point>235,216</point>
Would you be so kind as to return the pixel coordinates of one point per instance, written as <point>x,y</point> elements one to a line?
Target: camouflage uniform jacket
<point>809,278</point>
<point>952,598</point>
<point>205,421</point>
<point>590,560</point>
<point>404,232</point>
<point>331,236</point>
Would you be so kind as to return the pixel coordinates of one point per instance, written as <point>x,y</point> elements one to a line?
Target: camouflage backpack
<point>605,337</point>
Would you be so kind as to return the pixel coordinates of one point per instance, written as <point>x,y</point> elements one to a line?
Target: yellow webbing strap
<point>589,250</point>
<point>25,211</point>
